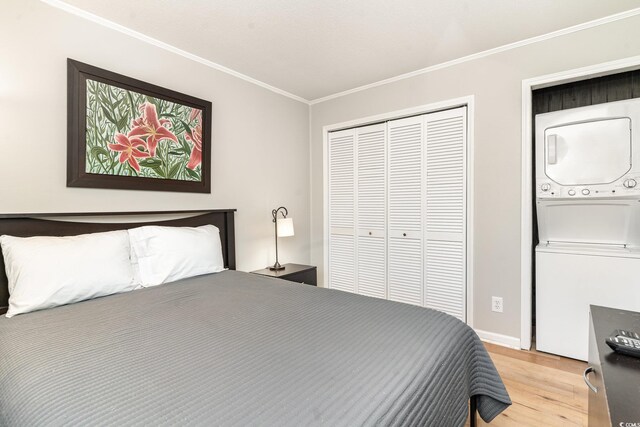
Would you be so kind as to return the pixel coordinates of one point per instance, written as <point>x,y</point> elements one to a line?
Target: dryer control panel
<point>627,187</point>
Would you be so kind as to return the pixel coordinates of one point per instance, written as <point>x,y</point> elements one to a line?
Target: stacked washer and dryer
<point>588,207</point>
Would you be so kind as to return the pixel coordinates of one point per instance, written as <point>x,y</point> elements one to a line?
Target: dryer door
<point>589,153</point>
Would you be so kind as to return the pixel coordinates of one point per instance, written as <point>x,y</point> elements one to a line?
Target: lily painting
<point>134,135</point>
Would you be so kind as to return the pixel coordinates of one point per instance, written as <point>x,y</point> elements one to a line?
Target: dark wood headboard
<point>27,225</point>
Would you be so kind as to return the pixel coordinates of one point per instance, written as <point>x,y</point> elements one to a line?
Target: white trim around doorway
<point>526,216</point>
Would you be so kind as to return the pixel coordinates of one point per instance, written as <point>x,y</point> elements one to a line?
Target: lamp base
<point>276,267</point>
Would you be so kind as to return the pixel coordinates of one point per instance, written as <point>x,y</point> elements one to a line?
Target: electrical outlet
<point>496,304</point>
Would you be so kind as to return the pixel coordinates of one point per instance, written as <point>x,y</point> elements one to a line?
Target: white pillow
<point>46,272</point>
<point>167,254</point>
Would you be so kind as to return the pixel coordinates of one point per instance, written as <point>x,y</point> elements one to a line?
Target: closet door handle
<point>369,233</point>
<point>585,377</point>
<point>404,234</point>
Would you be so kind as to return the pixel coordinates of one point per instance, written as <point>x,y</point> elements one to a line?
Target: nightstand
<point>305,274</point>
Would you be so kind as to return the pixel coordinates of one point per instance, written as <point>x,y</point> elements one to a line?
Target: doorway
<point>608,82</point>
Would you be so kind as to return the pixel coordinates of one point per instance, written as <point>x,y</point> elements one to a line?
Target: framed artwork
<point>127,134</point>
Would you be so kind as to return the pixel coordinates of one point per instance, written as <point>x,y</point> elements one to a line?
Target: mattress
<point>236,348</point>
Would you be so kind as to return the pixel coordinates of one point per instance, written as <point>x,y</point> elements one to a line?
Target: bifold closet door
<point>405,257</point>
<point>371,210</point>
<point>446,211</point>
<point>397,210</point>
<point>342,243</point>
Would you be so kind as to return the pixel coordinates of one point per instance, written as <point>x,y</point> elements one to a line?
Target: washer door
<point>609,222</point>
<point>589,153</point>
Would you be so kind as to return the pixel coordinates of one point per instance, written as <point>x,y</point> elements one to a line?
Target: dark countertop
<point>621,374</point>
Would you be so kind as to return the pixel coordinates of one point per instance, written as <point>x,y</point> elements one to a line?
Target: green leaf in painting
<point>104,100</point>
<point>97,151</point>
<point>186,127</point>
<point>155,165</point>
<point>185,147</point>
<point>193,174</point>
<point>174,170</point>
<point>159,171</point>
<point>108,115</point>
<point>122,123</point>
<point>131,103</point>
<point>150,162</point>
<point>176,153</point>
<point>117,103</point>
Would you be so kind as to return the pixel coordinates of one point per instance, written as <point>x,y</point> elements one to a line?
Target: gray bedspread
<point>239,349</point>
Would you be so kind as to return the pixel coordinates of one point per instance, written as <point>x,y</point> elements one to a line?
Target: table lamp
<point>283,227</point>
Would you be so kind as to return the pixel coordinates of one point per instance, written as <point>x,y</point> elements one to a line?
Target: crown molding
<point>59,4</point>
<point>575,28</point>
<point>162,45</point>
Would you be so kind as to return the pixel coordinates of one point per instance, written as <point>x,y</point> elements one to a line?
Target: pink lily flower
<point>196,152</point>
<point>195,114</point>
<point>148,125</point>
<point>129,149</point>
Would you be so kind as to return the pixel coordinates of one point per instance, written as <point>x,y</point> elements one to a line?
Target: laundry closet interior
<point>586,205</point>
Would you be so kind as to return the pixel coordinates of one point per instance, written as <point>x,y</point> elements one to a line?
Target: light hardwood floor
<point>546,390</point>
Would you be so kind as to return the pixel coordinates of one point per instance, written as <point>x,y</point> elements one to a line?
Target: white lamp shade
<point>285,227</point>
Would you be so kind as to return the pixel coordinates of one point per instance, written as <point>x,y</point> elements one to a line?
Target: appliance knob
<point>630,183</point>
<point>586,191</point>
<point>545,187</point>
<point>572,192</point>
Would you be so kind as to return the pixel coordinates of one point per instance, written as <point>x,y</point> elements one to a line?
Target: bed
<point>234,348</point>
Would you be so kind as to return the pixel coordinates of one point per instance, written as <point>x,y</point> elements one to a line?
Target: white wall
<point>496,83</point>
<point>259,138</point>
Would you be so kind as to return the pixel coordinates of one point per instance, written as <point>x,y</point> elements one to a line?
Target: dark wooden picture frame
<point>77,176</point>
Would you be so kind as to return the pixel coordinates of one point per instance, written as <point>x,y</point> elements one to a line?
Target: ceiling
<point>315,48</point>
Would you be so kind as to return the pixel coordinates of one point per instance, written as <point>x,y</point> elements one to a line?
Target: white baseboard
<point>503,340</point>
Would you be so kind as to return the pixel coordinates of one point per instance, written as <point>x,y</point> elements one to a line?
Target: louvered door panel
<point>444,277</point>
<point>342,262</point>
<point>405,259</point>
<point>405,270</point>
<point>342,208</point>
<point>370,141</point>
<point>342,180</point>
<point>405,177</point>
<point>372,266</point>
<point>371,210</point>
<point>445,213</point>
